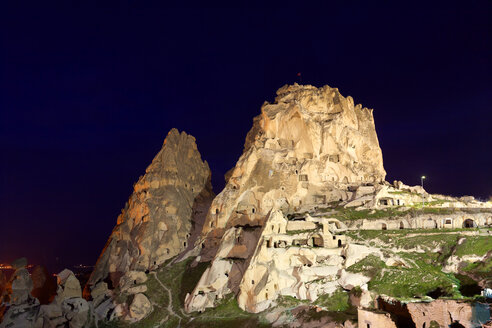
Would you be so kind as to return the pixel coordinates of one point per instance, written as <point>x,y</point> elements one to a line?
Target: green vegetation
<point>420,278</point>
<point>289,301</point>
<point>481,270</point>
<point>180,278</point>
<point>226,314</point>
<point>409,238</point>
<point>477,245</point>
<point>434,324</point>
<point>338,301</point>
<point>296,232</point>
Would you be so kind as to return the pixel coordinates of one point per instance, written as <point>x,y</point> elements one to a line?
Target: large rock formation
<point>304,149</point>
<point>167,206</point>
<point>307,149</point>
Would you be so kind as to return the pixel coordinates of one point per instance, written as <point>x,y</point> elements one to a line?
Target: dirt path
<point>170,305</point>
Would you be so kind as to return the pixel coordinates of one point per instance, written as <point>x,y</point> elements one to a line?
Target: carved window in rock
<point>334,158</point>
<point>303,177</point>
<point>448,221</point>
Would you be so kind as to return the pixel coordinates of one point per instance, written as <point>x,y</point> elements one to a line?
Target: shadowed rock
<point>166,209</point>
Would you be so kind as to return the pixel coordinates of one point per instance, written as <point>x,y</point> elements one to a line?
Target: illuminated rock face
<point>308,148</point>
<point>304,149</point>
<point>156,223</point>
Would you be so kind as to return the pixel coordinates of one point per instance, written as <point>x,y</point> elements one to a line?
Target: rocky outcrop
<point>22,308</point>
<point>140,307</point>
<point>68,308</point>
<point>163,214</point>
<point>305,150</point>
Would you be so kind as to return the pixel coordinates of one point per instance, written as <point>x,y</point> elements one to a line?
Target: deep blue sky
<point>87,95</point>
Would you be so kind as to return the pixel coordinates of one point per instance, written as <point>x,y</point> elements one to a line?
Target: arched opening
<point>339,243</point>
<point>384,226</point>
<point>402,226</point>
<point>469,223</point>
<point>423,326</point>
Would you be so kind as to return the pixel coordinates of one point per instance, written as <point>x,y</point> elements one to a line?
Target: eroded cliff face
<point>166,209</point>
<point>303,150</point>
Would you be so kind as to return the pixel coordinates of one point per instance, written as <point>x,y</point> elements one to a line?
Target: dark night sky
<point>87,95</point>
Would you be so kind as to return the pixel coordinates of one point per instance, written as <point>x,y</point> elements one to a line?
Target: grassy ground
<point>423,271</point>
<point>180,278</point>
<point>338,301</point>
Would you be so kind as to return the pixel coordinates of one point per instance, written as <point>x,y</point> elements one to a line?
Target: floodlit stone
<point>156,223</point>
<point>140,307</point>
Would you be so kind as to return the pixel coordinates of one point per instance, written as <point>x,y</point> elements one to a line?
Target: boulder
<point>354,253</point>
<point>349,280</point>
<point>68,285</point>
<point>140,307</point>
<point>76,311</point>
<point>21,315</point>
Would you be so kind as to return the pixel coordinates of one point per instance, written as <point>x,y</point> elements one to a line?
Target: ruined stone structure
<point>156,223</point>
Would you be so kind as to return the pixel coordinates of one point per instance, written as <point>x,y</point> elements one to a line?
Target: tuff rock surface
<point>158,219</point>
<point>304,149</point>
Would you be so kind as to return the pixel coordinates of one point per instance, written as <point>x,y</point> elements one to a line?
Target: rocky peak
<point>303,150</point>
<point>309,148</point>
<point>156,223</point>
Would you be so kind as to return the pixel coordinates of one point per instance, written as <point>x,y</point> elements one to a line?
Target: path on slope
<point>170,305</point>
